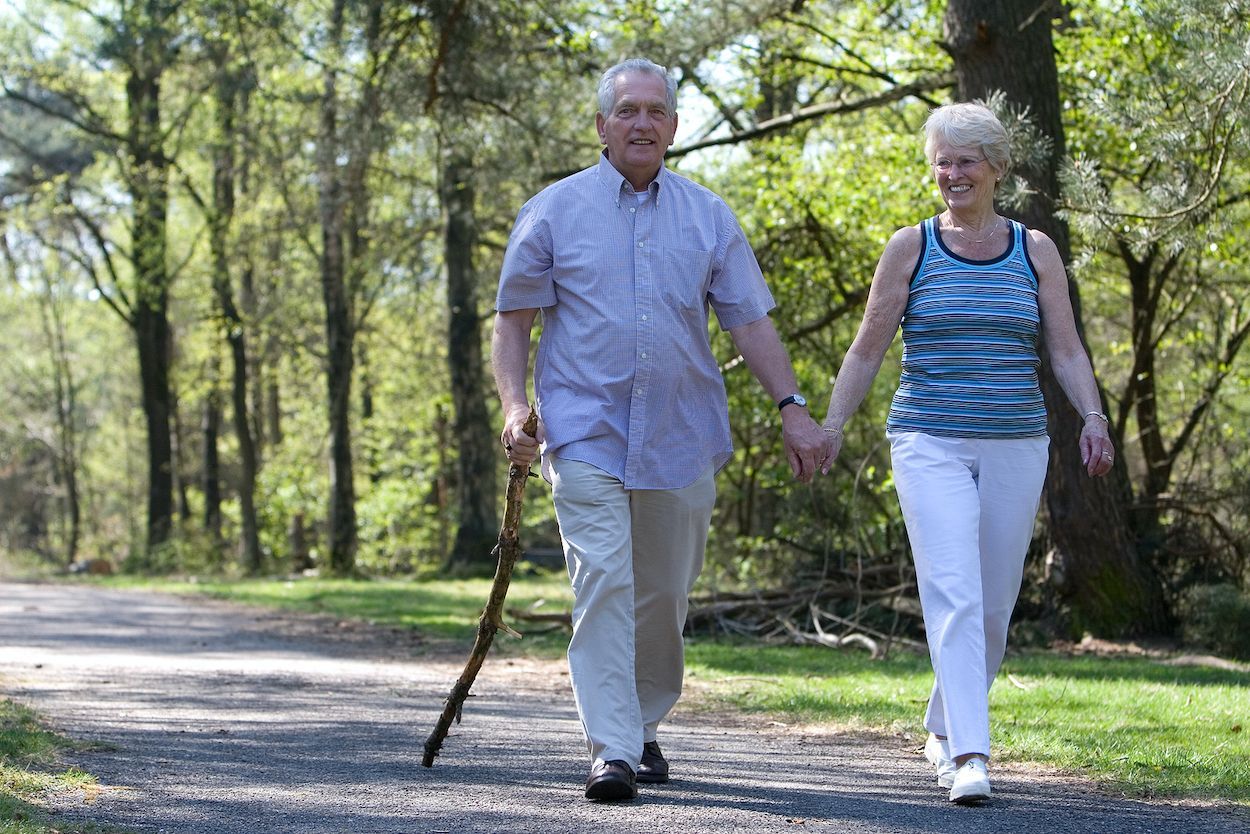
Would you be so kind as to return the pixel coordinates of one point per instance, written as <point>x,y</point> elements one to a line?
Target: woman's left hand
<point>1097,452</point>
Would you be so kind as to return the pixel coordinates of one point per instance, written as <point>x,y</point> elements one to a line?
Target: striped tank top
<point>970,345</point>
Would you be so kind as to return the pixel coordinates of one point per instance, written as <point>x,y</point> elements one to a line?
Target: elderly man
<point>624,259</point>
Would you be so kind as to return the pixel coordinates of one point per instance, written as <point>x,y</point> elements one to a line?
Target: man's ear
<point>599,125</point>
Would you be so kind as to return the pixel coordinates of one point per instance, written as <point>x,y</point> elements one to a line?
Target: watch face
<point>799,399</point>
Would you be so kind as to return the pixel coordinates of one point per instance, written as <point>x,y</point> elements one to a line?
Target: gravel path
<point>217,719</point>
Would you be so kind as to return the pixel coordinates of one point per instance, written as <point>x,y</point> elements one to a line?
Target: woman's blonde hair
<point>969,124</point>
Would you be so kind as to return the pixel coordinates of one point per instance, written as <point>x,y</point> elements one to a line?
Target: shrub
<point>1216,617</point>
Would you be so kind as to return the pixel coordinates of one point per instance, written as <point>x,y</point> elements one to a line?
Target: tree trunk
<point>339,320</point>
<point>225,174</point>
<point>65,391</point>
<point>210,428</point>
<point>273,410</point>
<point>474,435</point>
<point>1006,45</point>
<point>150,322</point>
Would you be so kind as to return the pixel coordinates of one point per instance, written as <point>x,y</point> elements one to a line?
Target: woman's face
<point>964,176</point>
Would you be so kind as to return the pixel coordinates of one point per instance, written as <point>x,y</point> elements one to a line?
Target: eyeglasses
<point>963,163</point>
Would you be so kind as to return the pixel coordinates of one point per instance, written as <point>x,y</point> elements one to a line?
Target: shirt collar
<point>616,182</point>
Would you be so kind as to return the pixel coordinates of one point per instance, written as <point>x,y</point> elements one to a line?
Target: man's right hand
<point>518,446</point>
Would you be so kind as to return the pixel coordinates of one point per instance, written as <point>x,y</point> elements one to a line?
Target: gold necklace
<point>967,239</point>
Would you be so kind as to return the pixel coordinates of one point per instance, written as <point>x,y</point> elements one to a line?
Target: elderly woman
<point>975,293</point>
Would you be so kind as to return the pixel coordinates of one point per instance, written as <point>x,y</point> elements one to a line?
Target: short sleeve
<point>525,282</point>
<point>737,293</point>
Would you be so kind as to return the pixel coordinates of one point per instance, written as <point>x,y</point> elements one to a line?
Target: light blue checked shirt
<point>625,379</point>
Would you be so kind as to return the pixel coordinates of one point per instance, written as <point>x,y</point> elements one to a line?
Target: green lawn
<point>1143,727</point>
<point>28,770</point>
<point>1137,724</point>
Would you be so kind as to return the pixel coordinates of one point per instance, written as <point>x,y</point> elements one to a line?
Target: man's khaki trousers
<point>633,557</point>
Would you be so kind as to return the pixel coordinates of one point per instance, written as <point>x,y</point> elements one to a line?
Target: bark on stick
<point>491,621</point>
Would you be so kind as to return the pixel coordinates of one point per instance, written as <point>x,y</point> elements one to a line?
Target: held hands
<point>834,436</point>
<point>1097,452</point>
<point>808,448</point>
<point>518,446</point>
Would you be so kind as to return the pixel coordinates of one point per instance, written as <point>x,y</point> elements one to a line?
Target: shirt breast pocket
<point>684,278</point>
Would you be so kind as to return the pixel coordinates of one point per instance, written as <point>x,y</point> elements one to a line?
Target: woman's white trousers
<point>969,505</point>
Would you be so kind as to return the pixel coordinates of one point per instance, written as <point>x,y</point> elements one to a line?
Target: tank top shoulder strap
<point>928,246</point>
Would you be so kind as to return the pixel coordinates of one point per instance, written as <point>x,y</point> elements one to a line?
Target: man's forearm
<point>761,347</point>
<point>510,348</point>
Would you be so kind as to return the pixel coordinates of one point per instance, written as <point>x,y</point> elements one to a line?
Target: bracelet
<point>832,429</point>
<point>1097,414</point>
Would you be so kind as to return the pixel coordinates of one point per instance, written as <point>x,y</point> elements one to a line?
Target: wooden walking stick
<point>508,549</point>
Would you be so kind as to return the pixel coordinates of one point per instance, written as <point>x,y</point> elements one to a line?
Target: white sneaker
<point>972,783</point>
<point>938,752</point>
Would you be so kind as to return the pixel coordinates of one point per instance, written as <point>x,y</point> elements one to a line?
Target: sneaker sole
<point>971,798</point>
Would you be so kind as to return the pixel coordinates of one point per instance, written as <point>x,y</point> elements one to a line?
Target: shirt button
<point>644,356</point>
<point>631,211</point>
<point>644,318</point>
<point>640,244</point>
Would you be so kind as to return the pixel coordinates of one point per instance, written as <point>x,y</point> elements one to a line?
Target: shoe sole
<point>971,799</point>
<point>611,791</point>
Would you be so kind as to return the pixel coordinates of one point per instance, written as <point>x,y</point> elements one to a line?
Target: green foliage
<point>1155,194</point>
<point>1155,113</point>
<point>1216,617</point>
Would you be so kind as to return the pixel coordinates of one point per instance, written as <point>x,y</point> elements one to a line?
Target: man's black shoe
<point>611,782</point>
<point>653,769</point>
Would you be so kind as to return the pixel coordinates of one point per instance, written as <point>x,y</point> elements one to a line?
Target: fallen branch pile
<point>874,609</point>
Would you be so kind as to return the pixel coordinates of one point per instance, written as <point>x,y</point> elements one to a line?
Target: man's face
<point>639,129</point>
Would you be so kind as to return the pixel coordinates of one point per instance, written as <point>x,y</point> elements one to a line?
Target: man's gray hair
<point>969,125</point>
<point>607,84</point>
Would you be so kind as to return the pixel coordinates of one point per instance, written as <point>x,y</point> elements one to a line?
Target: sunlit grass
<point>1144,727</point>
<point>442,610</point>
<point>29,771</point>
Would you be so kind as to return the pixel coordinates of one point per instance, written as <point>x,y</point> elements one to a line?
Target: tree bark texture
<point>474,435</point>
<point>1007,45</point>
<point>507,550</point>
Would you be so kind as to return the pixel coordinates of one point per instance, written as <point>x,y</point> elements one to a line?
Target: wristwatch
<point>793,399</point>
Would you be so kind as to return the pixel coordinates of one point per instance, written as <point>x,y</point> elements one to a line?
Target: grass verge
<point>28,771</point>
<point>1136,724</point>
<point>1140,726</point>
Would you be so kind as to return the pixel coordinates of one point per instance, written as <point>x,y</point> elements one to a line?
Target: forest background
<point>248,252</point>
